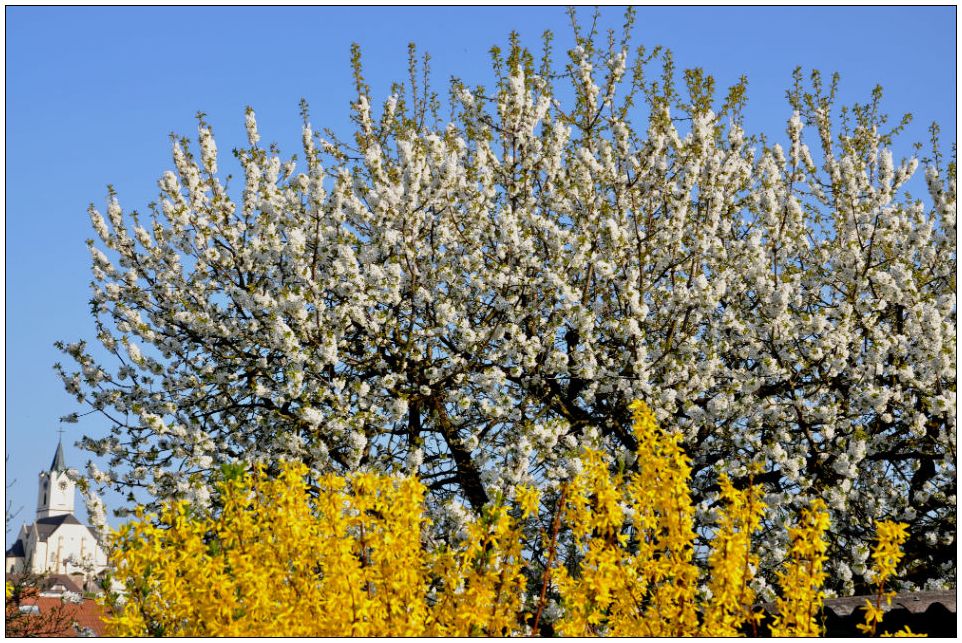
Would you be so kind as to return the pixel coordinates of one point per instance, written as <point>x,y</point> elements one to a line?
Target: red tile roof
<point>63,618</point>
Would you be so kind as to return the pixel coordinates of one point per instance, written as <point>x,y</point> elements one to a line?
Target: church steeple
<point>58,463</point>
<point>55,492</point>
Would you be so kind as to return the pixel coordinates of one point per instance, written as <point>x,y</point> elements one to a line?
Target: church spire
<point>58,463</point>
<point>55,493</point>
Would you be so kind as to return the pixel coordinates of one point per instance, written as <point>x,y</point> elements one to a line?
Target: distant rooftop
<point>931,613</point>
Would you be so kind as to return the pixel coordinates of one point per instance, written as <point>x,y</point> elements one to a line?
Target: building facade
<point>56,542</point>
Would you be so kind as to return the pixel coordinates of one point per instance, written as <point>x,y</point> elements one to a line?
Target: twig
<point>555,527</point>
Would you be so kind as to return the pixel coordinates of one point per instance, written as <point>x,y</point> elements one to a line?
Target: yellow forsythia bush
<point>348,561</point>
<point>347,558</point>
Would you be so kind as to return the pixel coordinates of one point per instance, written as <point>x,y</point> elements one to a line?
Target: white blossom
<point>485,297</point>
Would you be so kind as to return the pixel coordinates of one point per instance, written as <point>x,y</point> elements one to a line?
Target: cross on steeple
<point>60,439</point>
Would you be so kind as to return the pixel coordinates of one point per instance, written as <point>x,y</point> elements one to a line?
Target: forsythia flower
<point>528,498</point>
<point>732,562</point>
<point>802,580</point>
<point>339,557</point>
<point>886,557</point>
<point>282,552</point>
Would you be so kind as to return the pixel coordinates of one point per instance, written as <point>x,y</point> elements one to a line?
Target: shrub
<point>337,556</point>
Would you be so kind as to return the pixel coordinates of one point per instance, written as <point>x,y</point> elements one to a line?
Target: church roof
<point>58,463</point>
<point>16,550</point>
<point>46,526</point>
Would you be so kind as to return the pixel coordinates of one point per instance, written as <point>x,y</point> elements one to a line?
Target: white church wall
<point>57,543</point>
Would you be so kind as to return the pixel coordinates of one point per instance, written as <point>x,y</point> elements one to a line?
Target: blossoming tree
<point>475,299</point>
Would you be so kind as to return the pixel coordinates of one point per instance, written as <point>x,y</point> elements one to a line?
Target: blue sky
<point>92,94</point>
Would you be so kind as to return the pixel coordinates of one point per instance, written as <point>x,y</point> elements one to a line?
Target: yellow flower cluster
<point>639,581</point>
<point>642,581</point>
<point>482,581</point>
<point>732,562</point>
<point>885,557</point>
<point>345,556</point>
<point>342,559</point>
<point>888,550</point>
<point>635,535</point>
<point>801,581</point>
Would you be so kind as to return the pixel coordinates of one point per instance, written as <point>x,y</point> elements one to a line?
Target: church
<point>56,543</point>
